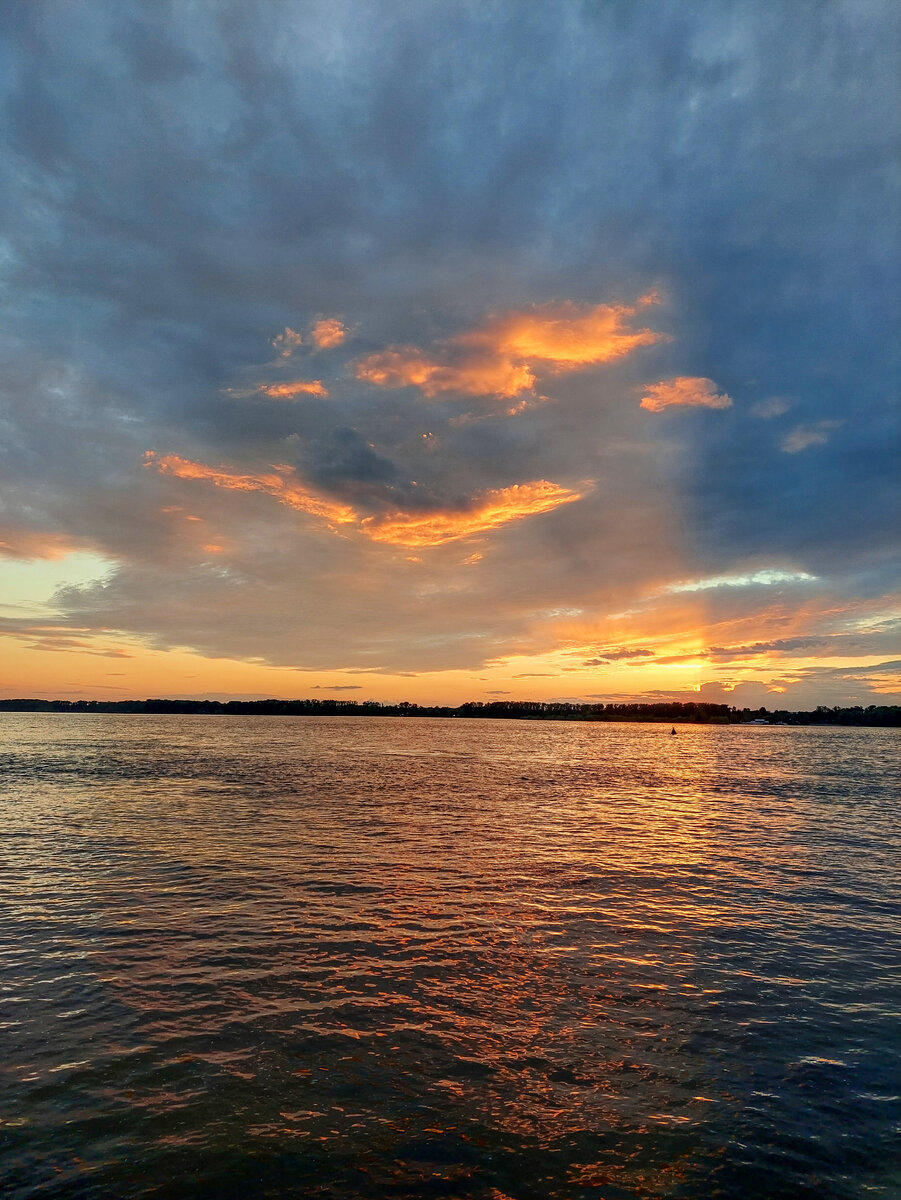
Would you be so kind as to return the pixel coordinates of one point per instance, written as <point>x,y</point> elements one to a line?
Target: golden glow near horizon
<point>86,664</point>
<point>665,647</point>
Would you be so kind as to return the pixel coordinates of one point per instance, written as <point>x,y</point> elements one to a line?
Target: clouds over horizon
<point>414,260</point>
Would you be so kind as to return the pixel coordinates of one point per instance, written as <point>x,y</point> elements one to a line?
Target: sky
<point>437,351</point>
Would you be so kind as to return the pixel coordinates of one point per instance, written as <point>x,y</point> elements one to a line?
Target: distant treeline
<point>696,713</point>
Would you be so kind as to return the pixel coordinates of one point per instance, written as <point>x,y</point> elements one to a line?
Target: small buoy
<point>673,731</point>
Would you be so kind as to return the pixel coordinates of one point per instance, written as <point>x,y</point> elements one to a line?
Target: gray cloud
<point>879,640</point>
<point>804,689</point>
<point>805,436</point>
<point>775,406</point>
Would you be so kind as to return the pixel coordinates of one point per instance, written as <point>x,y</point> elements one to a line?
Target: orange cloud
<point>28,544</point>
<point>287,342</point>
<point>281,487</point>
<point>686,391</point>
<point>490,510</point>
<point>496,358</point>
<point>493,508</point>
<point>570,337</point>
<point>480,375</point>
<point>297,387</point>
<point>328,332</point>
<point>53,636</point>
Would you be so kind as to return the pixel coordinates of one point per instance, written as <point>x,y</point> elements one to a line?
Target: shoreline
<point>676,712</point>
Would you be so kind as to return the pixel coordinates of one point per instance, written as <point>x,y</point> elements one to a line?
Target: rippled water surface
<point>376,957</point>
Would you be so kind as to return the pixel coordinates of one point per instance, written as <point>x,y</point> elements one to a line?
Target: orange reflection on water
<point>381,931</point>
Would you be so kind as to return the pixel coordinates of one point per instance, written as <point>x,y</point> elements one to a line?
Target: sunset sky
<point>431,350</point>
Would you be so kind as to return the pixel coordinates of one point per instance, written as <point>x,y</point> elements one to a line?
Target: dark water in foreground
<point>245,957</point>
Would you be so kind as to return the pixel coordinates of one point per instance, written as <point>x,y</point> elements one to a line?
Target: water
<point>375,957</point>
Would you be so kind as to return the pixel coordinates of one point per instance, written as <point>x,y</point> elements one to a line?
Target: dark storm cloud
<point>185,182</point>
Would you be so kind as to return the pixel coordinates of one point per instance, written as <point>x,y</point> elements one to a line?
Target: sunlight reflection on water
<point>369,957</point>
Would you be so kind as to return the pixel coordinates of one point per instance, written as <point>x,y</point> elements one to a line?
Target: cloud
<point>764,578</point>
<point>290,391</point>
<point>567,336</point>
<point>877,683</point>
<point>287,342</point>
<point>822,629</point>
<point>617,654</point>
<point>489,510</point>
<point>503,356</point>
<point>58,637</point>
<point>281,485</point>
<point>775,406</point>
<point>336,687</point>
<point>804,689</point>
<point>328,332</point>
<point>684,391</point>
<point>805,436</point>
<point>873,640</point>
<point>33,544</point>
<point>477,375</point>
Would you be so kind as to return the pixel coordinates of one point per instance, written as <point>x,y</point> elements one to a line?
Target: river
<point>391,957</point>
